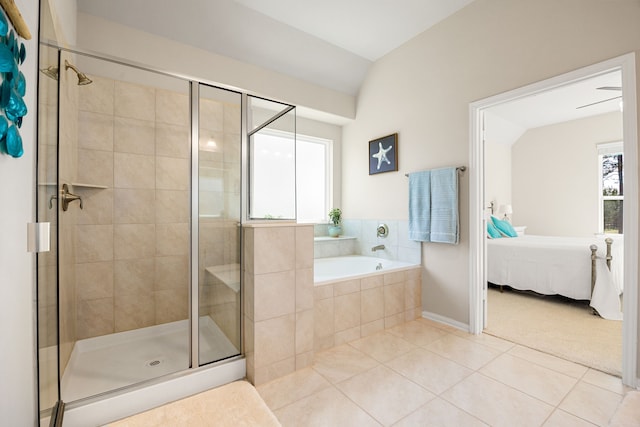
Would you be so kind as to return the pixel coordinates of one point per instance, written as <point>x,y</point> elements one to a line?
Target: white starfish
<point>381,155</point>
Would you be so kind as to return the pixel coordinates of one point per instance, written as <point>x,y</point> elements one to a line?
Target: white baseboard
<point>447,321</point>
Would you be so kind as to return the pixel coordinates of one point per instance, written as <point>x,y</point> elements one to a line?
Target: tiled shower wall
<point>132,237</point>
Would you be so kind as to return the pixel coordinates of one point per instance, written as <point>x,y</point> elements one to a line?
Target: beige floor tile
<point>464,352</point>
<point>542,383</point>
<point>342,362</point>
<point>431,371</point>
<point>295,386</point>
<point>438,325</point>
<point>384,394</point>
<point>486,339</point>
<point>418,333</point>
<point>439,413</point>
<point>497,404</point>
<point>591,403</point>
<point>328,407</point>
<point>560,418</point>
<point>606,381</point>
<point>383,346</point>
<point>548,361</point>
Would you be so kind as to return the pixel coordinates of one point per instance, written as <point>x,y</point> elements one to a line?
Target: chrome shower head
<point>82,77</point>
<point>50,71</point>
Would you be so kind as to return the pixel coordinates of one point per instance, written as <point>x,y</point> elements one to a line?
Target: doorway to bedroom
<point>544,157</point>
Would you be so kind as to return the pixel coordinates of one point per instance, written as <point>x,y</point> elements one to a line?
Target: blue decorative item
<point>13,88</point>
<point>14,142</point>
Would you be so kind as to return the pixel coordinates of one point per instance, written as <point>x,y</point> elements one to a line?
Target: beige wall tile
<point>133,311</point>
<point>94,280</point>
<point>232,116</point>
<point>172,239</point>
<point>95,131</point>
<point>395,277</point>
<point>372,282</point>
<point>346,287</point>
<point>94,243</point>
<point>393,298</point>
<point>134,136</point>
<point>97,97</point>
<point>346,311</point>
<point>172,107</point>
<point>276,249</point>
<point>372,305</point>
<point>95,167</point>
<point>172,174</point>
<point>95,318</point>
<point>322,292</point>
<point>275,370</point>
<point>249,296</point>
<point>304,247</point>
<point>304,360</point>
<point>412,294</point>
<point>274,340</point>
<point>134,206</point>
<point>275,294</point>
<point>304,331</point>
<point>173,141</point>
<point>98,205</point>
<point>172,206</point>
<point>134,276</point>
<point>133,241</point>
<point>323,312</point>
<point>347,335</point>
<point>134,171</point>
<point>171,305</point>
<point>171,272</point>
<point>134,101</point>
<point>304,289</point>
<point>212,114</point>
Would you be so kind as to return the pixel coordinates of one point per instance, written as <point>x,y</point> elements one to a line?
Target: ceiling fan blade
<point>610,88</point>
<point>599,102</point>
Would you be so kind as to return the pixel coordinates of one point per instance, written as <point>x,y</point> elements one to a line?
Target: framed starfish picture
<point>383,154</point>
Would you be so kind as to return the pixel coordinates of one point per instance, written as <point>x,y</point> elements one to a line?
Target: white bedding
<point>552,265</point>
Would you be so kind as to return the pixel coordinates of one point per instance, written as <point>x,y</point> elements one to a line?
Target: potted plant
<point>335,215</point>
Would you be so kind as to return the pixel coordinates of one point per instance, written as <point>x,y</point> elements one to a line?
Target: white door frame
<point>477,225</point>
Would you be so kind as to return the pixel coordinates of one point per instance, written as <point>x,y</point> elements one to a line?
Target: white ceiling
<point>507,122</point>
<point>331,43</point>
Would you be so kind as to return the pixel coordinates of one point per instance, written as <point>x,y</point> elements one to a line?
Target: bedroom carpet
<point>558,326</point>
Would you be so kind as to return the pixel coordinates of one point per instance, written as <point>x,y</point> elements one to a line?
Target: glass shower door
<point>124,231</point>
<point>219,231</point>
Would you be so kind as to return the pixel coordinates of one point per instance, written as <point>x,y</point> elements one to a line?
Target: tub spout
<point>377,248</point>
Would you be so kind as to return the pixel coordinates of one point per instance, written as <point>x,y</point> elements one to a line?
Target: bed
<point>551,265</point>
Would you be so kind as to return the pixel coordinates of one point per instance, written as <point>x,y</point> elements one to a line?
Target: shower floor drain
<point>153,363</point>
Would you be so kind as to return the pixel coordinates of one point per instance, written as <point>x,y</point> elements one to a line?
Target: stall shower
<point>139,175</point>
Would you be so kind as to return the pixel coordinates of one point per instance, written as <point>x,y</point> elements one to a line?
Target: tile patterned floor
<point>423,373</point>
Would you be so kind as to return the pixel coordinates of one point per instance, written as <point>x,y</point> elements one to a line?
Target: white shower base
<point>110,362</point>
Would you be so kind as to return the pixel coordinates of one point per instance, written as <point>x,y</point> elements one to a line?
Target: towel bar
<point>459,169</point>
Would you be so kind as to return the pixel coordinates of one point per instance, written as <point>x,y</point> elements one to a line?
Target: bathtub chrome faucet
<point>377,248</point>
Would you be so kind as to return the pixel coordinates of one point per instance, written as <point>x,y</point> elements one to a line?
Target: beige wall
<point>555,175</point>
<point>422,90</point>
<point>497,174</point>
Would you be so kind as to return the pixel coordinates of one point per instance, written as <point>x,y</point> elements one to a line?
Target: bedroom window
<point>610,160</point>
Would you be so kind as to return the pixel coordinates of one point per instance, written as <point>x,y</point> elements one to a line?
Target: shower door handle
<point>66,197</point>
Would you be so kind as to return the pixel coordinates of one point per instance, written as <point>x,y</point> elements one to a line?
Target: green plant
<point>335,215</point>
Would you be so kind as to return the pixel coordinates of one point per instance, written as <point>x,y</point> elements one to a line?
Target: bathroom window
<point>273,153</point>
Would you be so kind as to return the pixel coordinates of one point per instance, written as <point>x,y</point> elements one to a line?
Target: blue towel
<point>444,206</point>
<point>420,206</point>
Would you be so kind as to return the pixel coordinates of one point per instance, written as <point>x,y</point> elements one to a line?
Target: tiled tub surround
<point>278,299</point>
<point>287,318</point>
<point>347,310</point>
